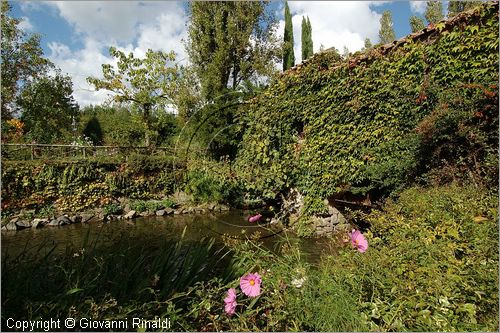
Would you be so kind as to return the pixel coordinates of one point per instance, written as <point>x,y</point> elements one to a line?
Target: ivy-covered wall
<point>368,123</point>
<point>69,186</point>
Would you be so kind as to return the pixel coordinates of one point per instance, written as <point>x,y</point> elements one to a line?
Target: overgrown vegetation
<point>76,186</point>
<point>381,122</point>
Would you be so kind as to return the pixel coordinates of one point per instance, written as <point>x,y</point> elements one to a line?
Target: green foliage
<point>306,39</point>
<point>386,33</point>
<point>288,54</point>
<point>80,185</point>
<point>48,108</point>
<point>335,125</point>
<point>112,208</point>
<point>229,43</point>
<point>213,182</point>
<point>143,82</point>
<point>93,131</point>
<point>117,278</point>
<point>22,60</point>
<point>455,7</point>
<point>431,264</point>
<point>434,12</point>
<point>416,23</point>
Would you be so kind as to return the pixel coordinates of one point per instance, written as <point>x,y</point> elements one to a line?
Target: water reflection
<point>154,230</point>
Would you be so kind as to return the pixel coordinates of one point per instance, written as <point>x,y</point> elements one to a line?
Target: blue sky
<point>77,34</point>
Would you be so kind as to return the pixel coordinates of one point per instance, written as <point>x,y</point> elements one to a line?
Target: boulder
<point>23,225</point>
<point>179,211</point>
<point>146,213</point>
<point>130,215</point>
<point>224,208</point>
<point>160,212</point>
<point>76,219</point>
<point>63,220</point>
<point>169,211</point>
<point>38,223</point>
<point>11,226</point>
<point>86,217</point>
<point>53,223</point>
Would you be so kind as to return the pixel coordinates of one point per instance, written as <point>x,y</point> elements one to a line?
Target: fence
<point>26,151</point>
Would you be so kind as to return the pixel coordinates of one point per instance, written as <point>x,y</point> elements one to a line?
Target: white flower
<point>297,283</point>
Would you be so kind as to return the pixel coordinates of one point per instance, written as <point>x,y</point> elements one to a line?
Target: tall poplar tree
<point>368,44</point>
<point>416,23</point>
<point>307,43</point>
<point>288,54</point>
<point>434,12</point>
<point>386,33</point>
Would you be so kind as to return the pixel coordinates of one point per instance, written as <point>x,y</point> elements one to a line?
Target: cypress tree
<point>307,43</point>
<point>310,50</point>
<point>288,55</point>
<point>304,30</point>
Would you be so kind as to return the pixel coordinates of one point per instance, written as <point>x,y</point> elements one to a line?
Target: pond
<point>192,227</point>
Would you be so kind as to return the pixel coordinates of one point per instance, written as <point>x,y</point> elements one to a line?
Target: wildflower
<point>359,241</point>
<point>230,301</point>
<point>254,218</point>
<point>297,283</point>
<point>250,284</point>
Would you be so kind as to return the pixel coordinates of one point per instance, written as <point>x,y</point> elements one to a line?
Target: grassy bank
<point>431,265</point>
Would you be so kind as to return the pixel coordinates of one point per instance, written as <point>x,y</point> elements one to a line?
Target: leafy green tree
<point>230,42</point>
<point>434,12</point>
<point>93,131</point>
<point>455,7</point>
<point>22,60</point>
<point>145,83</point>
<point>416,23</point>
<point>48,108</point>
<point>386,33</point>
<point>368,44</point>
<point>288,54</point>
<point>307,43</point>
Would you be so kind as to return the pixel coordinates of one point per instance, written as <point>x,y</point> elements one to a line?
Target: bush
<point>112,209</point>
<point>432,264</point>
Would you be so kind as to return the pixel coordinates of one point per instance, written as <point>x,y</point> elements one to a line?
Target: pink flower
<point>250,284</point>
<point>359,241</point>
<point>230,301</point>
<point>254,218</point>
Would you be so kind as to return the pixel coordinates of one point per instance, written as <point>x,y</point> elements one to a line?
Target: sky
<point>76,35</point>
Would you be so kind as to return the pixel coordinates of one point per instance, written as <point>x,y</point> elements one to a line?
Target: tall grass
<point>106,278</point>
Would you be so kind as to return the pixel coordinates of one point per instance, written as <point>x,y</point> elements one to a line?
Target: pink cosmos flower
<point>359,241</point>
<point>254,218</point>
<point>250,284</point>
<point>230,301</point>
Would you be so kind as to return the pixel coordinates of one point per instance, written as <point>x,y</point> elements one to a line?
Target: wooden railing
<point>26,151</point>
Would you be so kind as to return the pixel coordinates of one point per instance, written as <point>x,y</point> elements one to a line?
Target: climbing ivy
<point>333,125</point>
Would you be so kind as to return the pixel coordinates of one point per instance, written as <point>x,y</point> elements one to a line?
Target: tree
<point>386,33</point>
<point>306,37</point>
<point>456,7</point>
<point>144,82</point>
<point>22,60</point>
<point>434,12</point>
<point>230,42</point>
<point>346,52</point>
<point>48,108</point>
<point>368,44</point>
<point>416,23</point>
<point>288,54</point>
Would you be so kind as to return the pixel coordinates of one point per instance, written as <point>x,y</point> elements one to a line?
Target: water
<point>156,229</point>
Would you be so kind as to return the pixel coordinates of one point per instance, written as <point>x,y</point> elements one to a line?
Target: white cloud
<point>333,24</point>
<point>80,64</point>
<point>132,26</point>
<point>418,7</point>
<point>26,24</point>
